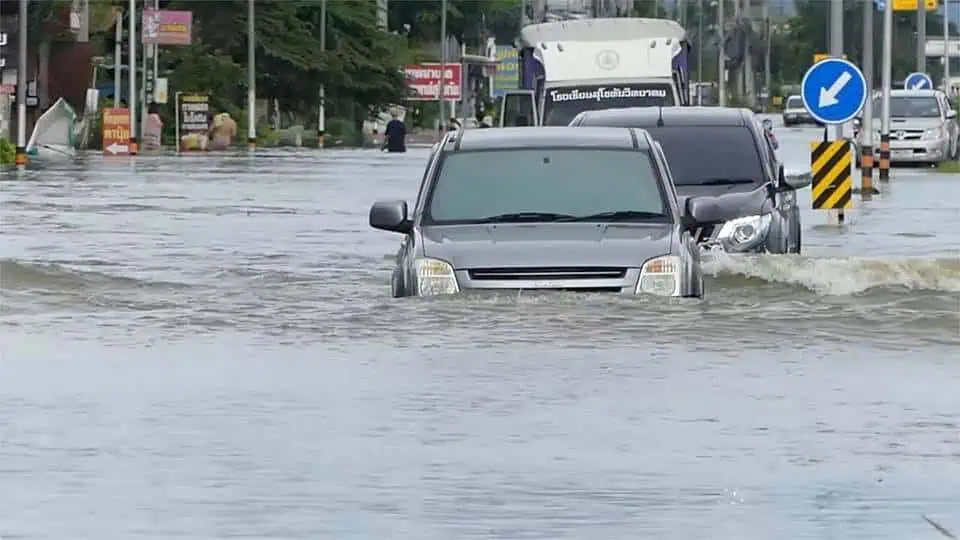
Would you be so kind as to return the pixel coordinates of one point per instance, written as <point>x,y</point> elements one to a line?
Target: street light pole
<point>721,68</point>
<point>322,115</point>
<point>443,62</point>
<point>21,153</point>
<point>922,34</point>
<point>885,82</point>
<point>946,48</point>
<point>700,53</point>
<point>132,98</point>
<point>251,78</point>
<point>866,126</point>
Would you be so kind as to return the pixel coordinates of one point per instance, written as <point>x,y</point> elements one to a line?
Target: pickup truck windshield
<point>710,155</point>
<point>561,105</point>
<point>910,107</point>
<point>546,184</point>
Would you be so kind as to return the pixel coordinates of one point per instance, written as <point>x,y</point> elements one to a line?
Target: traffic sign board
<point>911,5</point>
<point>833,91</point>
<point>116,131</point>
<point>918,81</point>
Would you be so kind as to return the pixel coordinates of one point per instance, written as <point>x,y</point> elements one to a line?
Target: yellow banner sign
<point>819,57</point>
<point>911,5</point>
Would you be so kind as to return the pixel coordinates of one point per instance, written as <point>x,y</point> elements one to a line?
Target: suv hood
<point>626,245</point>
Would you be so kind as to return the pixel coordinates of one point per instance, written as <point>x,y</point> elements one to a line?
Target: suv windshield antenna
<point>660,116</point>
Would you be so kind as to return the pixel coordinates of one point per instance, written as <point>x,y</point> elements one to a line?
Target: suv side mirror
<point>951,114</point>
<point>699,211</point>
<point>797,178</point>
<point>390,216</point>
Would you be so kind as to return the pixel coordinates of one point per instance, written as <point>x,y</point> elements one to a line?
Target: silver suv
<point>923,127</point>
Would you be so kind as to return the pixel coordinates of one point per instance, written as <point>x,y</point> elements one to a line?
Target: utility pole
<point>886,79</point>
<point>866,126</point>
<point>132,97</point>
<point>251,77</point>
<point>767,75</point>
<point>441,94</point>
<point>836,44</point>
<point>322,114</point>
<point>946,48</point>
<point>721,63</point>
<point>21,152</point>
<point>922,34</point>
<point>748,78</point>
<point>117,53</point>
<point>700,43</point>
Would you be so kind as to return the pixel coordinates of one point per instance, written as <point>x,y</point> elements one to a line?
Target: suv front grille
<point>547,273</point>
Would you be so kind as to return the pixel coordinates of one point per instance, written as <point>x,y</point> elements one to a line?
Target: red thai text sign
<point>424,81</point>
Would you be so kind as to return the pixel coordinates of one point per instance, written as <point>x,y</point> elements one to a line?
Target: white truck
<point>571,66</point>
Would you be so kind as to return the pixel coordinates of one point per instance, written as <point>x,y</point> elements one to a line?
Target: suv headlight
<point>435,277</point>
<point>744,233</point>
<point>660,276</point>
<point>933,133</point>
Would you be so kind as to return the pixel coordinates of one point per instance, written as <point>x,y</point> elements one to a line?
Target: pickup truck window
<point>910,107</point>
<point>711,155</point>
<point>572,183</point>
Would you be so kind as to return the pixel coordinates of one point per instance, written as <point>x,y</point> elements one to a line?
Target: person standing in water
<point>222,132</point>
<point>395,134</point>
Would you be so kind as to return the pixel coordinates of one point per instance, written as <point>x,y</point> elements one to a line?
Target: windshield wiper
<point>519,217</point>
<point>619,215</point>
<point>719,182</point>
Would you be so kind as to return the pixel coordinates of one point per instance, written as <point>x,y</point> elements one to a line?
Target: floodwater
<point>204,348</point>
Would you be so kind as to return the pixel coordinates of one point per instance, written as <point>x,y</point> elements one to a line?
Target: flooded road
<point>204,347</point>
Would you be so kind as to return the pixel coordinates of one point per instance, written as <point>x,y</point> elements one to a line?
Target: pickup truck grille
<point>547,273</point>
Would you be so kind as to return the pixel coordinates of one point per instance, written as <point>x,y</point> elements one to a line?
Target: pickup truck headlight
<point>435,277</point>
<point>660,276</point>
<point>744,233</point>
<point>933,133</point>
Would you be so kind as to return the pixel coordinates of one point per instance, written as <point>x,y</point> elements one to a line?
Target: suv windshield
<point>910,107</point>
<point>546,184</point>
<point>705,155</point>
<point>561,105</point>
<point>794,103</point>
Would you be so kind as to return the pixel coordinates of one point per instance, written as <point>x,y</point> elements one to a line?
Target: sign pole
<point>836,50</point>
<point>132,98</point>
<point>885,81</point>
<point>176,119</point>
<point>251,78</point>
<point>21,152</point>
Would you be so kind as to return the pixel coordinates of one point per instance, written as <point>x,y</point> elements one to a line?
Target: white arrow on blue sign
<point>833,91</point>
<point>918,81</point>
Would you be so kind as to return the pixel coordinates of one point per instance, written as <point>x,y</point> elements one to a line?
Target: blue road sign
<point>833,91</point>
<point>918,81</point>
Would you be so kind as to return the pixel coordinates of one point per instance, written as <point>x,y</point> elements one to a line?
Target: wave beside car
<point>555,208</point>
